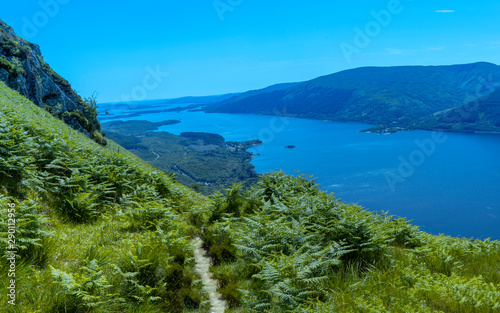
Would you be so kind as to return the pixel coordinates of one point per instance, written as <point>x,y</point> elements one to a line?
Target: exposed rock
<point>23,69</point>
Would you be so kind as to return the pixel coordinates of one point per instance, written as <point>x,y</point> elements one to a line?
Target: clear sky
<point>124,49</point>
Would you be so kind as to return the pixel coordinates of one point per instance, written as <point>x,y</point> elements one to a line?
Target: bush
<point>148,276</point>
<point>13,70</point>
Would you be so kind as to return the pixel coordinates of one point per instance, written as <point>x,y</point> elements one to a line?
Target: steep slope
<point>480,115</point>
<point>377,95</point>
<point>23,69</point>
<point>95,230</point>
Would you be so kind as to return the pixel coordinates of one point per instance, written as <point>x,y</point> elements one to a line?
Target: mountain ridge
<point>374,95</point>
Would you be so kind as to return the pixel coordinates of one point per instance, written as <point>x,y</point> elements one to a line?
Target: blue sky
<point>154,49</point>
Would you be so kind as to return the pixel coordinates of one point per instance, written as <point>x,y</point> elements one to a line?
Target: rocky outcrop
<point>23,69</point>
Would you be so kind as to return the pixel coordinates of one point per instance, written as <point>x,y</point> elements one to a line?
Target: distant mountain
<point>200,100</point>
<point>23,69</point>
<point>375,95</point>
<point>480,115</point>
<point>161,102</point>
<point>251,93</point>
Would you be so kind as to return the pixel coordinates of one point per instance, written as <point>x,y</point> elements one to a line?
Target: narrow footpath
<point>218,305</point>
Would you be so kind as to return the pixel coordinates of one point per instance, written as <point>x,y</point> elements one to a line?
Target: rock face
<point>23,69</point>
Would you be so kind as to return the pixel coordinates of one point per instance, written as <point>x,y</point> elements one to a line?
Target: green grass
<point>97,230</point>
<point>287,246</point>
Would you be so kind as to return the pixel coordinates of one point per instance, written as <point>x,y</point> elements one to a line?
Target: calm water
<point>445,182</point>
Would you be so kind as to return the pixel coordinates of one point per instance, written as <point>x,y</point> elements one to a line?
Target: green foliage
<point>11,47</point>
<point>32,244</point>
<point>198,159</point>
<point>206,138</point>
<point>98,137</point>
<point>300,249</point>
<point>84,290</point>
<point>230,203</point>
<point>79,116</point>
<point>479,115</point>
<point>13,69</point>
<point>151,274</point>
<point>96,231</point>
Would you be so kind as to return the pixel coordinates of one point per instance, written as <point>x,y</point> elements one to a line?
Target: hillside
<point>23,69</point>
<point>287,246</point>
<point>101,231</point>
<point>96,230</point>
<point>480,115</point>
<point>375,95</point>
<point>199,160</point>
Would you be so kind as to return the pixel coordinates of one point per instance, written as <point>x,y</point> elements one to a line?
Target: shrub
<point>10,67</point>
<point>147,276</point>
<point>84,291</point>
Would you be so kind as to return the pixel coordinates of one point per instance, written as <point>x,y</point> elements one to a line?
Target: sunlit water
<point>445,182</point>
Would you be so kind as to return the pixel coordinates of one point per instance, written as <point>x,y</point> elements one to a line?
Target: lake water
<point>445,182</point>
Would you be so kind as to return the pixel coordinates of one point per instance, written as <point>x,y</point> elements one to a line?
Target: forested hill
<point>480,115</point>
<point>23,69</point>
<point>203,161</point>
<point>376,95</point>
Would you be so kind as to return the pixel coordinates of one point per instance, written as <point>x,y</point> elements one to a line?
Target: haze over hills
<point>375,95</point>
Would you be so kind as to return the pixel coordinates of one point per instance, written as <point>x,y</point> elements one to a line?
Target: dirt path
<point>218,305</point>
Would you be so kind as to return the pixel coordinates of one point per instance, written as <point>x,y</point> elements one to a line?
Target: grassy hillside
<point>286,246</point>
<point>375,95</point>
<point>101,231</point>
<point>96,230</point>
